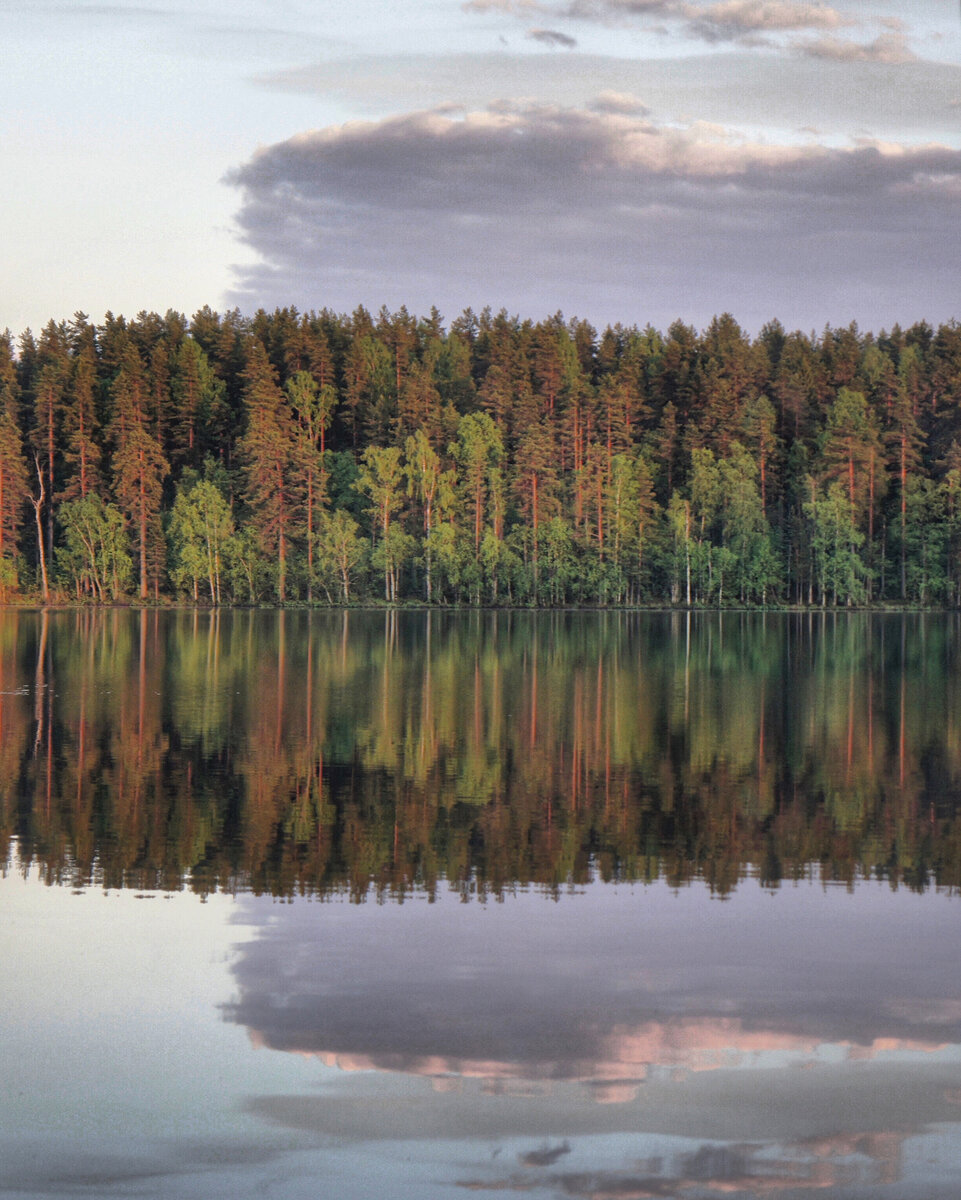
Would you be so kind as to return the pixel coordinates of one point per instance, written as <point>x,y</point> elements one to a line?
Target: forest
<point>329,459</point>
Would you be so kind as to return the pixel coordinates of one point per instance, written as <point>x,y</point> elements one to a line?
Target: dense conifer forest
<point>324,458</point>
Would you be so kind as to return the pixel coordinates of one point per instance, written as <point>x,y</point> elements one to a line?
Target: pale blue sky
<point>634,160</point>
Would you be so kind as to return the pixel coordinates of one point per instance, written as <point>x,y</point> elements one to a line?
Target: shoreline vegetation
<point>31,602</point>
<point>314,459</point>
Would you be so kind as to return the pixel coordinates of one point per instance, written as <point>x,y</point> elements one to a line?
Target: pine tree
<point>268,455</point>
<point>905,438</point>
<point>476,451</point>
<point>53,372</point>
<point>81,451</point>
<point>139,467</point>
<point>198,400</point>
<point>13,469</point>
<point>850,449</point>
<point>535,482</point>
<point>314,406</point>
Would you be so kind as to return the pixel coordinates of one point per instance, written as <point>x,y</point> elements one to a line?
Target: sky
<point>634,161</point>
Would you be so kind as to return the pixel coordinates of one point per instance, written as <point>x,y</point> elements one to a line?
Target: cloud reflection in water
<point>767,1044</point>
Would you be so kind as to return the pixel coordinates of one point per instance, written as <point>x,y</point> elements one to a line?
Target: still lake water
<point>413,905</point>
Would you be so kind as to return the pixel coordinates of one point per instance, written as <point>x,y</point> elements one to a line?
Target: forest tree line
<point>323,458</point>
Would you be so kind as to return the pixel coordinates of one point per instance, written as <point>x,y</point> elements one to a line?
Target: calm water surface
<point>410,905</point>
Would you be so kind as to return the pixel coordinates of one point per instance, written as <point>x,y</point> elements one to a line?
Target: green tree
<point>453,559</point>
<point>498,563</point>
<point>622,505</point>
<point>905,439</point>
<point>646,516</point>
<point>370,392</point>
<point>389,553</point>
<point>706,498</point>
<point>558,560</point>
<point>139,467</point>
<point>249,570</point>
<point>744,528</point>
<point>94,557</point>
<point>925,541</point>
<point>49,386</point>
<point>199,401</point>
<point>851,450</point>
<point>314,405</point>
<point>381,479</point>
<point>477,451</point>
<point>535,483</point>
<point>839,571</point>
<point>201,527</point>
<point>425,483</point>
<point>682,546</point>
<point>81,448</point>
<point>14,487</point>
<point>340,549</point>
<point>760,436</point>
<point>268,455</point>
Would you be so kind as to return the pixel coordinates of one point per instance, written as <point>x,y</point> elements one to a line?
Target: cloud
<point>551,37</point>
<point>620,104</point>
<point>723,20</point>
<point>889,48</point>
<point>602,212</point>
<point>732,18</point>
<point>606,10</point>
<point>720,1170</point>
<point>775,24</point>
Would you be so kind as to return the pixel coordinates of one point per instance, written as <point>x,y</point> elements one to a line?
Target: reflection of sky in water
<point>764,1045</point>
<point>606,982</point>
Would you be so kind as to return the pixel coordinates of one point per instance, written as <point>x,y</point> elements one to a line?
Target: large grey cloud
<point>607,214</point>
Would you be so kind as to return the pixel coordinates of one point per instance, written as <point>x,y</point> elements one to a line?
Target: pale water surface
<point>563,905</point>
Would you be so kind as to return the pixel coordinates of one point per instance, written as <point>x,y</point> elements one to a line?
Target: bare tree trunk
<point>37,503</point>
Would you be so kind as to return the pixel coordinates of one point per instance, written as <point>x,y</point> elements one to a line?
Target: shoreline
<point>413,606</point>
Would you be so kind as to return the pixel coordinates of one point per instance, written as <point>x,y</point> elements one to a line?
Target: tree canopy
<point>321,458</point>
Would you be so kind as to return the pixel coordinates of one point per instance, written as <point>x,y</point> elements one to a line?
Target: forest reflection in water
<point>587,1025</point>
<point>387,752</point>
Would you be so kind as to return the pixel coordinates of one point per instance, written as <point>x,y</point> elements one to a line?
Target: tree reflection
<point>379,753</point>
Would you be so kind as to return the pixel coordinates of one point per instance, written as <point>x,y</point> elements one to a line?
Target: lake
<point>408,904</point>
